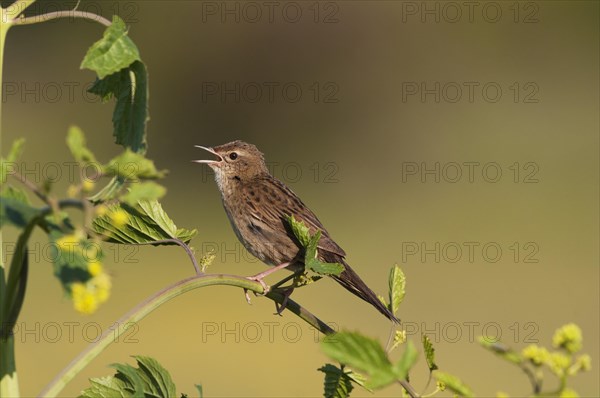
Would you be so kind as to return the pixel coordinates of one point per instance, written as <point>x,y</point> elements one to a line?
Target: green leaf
<point>71,254</point>
<point>76,143</point>
<point>156,379</point>
<point>106,387</point>
<point>397,283</point>
<point>7,165</point>
<point>312,263</point>
<point>406,362</point>
<point>310,244</point>
<point>337,384</point>
<point>143,191</point>
<point>16,211</point>
<point>130,88</point>
<point>300,230</point>
<point>146,223</point>
<point>15,193</point>
<point>429,352</point>
<point>130,165</point>
<point>150,379</point>
<point>200,391</point>
<point>113,52</point>
<point>362,353</point>
<point>454,384</point>
<point>109,192</point>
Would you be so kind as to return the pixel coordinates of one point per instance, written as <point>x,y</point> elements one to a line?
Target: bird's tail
<point>352,282</point>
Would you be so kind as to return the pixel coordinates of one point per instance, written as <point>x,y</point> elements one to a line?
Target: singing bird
<point>259,205</point>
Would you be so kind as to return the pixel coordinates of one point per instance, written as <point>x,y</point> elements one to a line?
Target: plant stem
<point>9,382</point>
<point>63,14</point>
<point>155,301</point>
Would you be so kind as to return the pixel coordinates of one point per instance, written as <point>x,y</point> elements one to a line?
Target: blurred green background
<point>378,102</point>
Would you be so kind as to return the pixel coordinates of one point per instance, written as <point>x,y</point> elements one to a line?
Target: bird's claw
<point>265,287</point>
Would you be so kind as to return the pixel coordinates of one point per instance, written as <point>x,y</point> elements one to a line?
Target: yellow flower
<point>584,362</point>
<point>119,218</point>
<point>102,286</point>
<point>101,210</point>
<point>536,354</point>
<point>568,337</point>
<point>72,191</point>
<point>95,267</point>
<point>84,300</point>
<point>568,393</point>
<point>87,185</point>
<point>558,363</point>
<point>207,260</point>
<point>68,242</point>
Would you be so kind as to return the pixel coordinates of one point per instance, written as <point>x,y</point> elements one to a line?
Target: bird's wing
<point>278,202</point>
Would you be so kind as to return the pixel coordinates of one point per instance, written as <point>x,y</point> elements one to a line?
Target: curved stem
<point>155,301</point>
<point>62,14</point>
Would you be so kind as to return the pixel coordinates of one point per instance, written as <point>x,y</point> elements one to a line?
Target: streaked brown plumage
<point>258,205</point>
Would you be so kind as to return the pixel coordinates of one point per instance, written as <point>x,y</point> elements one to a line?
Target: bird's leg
<point>287,278</point>
<point>259,278</point>
<point>286,295</point>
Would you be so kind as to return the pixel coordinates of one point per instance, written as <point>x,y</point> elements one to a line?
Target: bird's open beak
<point>209,162</point>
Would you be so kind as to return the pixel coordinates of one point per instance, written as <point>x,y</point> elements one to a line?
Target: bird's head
<point>235,160</point>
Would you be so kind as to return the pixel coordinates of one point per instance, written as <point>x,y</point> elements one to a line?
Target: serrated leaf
<point>130,88</point>
<point>397,284</point>
<point>113,52</point>
<point>362,353</point>
<point>406,362</point>
<point>105,387</point>
<point>77,146</point>
<point>337,384</point>
<point>429,352</point>
<point>130,165</point>
<point>150,379</point>
<point>131,378</point>
<point>147,190</point>
<point>310,244</point>
<point>453,383</point>
<point>300,230</point>
<point>157,379</point>
<point>146,223</point>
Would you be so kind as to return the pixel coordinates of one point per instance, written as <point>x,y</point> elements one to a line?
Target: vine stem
<point>9,381</point>
<point>62,14</point>
<point>155,301</point>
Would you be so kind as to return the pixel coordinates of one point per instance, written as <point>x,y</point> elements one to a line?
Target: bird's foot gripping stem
<point>259,278</point>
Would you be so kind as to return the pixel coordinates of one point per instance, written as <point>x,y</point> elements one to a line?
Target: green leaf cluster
<point>310,244</point>
<point>123,76</point>
<point>147,222</point>
<point>368,355</point>
<point>149,379</point>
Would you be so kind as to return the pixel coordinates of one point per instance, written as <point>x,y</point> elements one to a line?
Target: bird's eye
<point>233,156</point>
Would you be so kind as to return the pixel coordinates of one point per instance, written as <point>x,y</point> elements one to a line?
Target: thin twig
<point>61,14</point>
<point>31,186</point>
